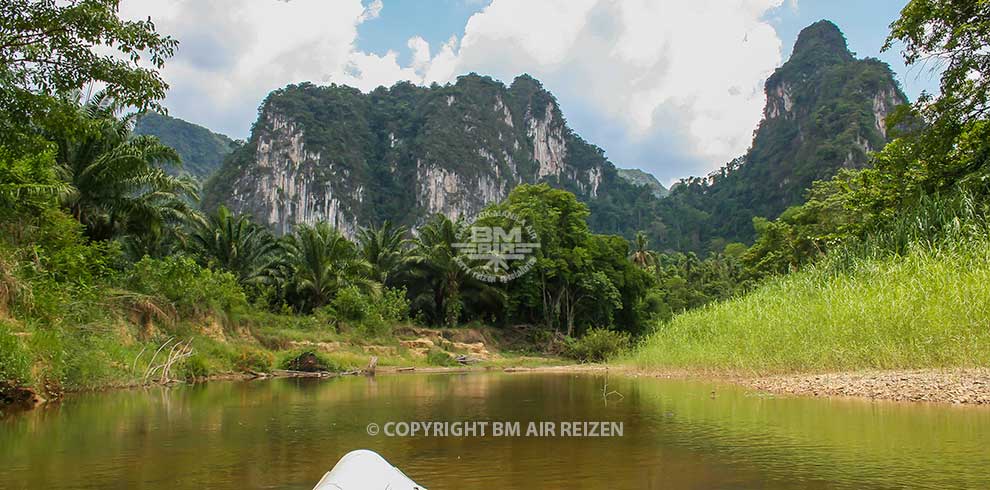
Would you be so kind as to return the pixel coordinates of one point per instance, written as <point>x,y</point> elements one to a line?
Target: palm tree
<point>236,244</point>
<point>385,249</point>
<point>118,180</point>
<point>440,284</point>
<point>643,257</point>
<point>323,261</point>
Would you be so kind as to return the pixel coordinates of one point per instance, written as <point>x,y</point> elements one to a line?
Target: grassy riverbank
<point>928,308</point>
<point>120,353</point>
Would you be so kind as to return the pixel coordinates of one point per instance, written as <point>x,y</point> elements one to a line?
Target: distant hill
<point>202,150</point>
<point>641,178</point>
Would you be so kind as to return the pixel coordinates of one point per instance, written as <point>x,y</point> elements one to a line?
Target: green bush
<point>194,290</point>
<point>15,362</point>
<point>193,367</point>
<point>253,360</point>
<point>66,256</point>
<point>439,357</point>
<point>352,305</point>
<point>393,306</point>
<point>373,315</point>
<point>598,345</point>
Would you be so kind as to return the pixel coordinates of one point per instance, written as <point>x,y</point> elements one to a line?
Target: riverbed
<point>672,434</point>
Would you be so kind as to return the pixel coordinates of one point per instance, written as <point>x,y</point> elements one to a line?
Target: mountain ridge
<point>402,153</point>
<point>641,177</point>
<point>202,150</point>
<point>405,152</point>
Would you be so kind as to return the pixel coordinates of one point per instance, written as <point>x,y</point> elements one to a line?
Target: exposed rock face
<point>449,193</point>
<point>884,103</point>
<point>779,103</point>
<point>286,185</point>
<point>549,149</point>
<point>404,153</point>
<point>825,111</point>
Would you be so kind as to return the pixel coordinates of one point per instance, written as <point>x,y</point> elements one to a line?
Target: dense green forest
<point>106,256</point>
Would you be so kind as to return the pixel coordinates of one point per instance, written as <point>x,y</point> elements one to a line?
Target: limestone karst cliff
<point>403,153</point>
<point>826,110</point>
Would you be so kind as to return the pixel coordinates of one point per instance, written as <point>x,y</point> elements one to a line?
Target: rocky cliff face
<point>403,153</point>
<point>288,183</point>
<point>406,152</point>
<point>825,111</point>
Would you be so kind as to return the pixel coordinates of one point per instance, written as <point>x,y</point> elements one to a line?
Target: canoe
<point>365,470</point>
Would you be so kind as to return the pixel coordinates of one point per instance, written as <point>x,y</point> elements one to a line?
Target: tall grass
<point>915,295</point>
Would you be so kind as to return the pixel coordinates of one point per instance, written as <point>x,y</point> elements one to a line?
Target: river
<point>671,434</point>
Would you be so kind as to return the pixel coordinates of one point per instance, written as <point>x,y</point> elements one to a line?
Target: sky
<point>674,87</point>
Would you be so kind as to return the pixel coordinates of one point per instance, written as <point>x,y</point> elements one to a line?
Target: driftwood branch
<point>372,366</point>
<point>606,393</point>
<point>162,372</point>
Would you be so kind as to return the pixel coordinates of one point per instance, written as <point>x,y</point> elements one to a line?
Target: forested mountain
<point>202,150</point>
<point>406,152</point>
<point>825,110</point>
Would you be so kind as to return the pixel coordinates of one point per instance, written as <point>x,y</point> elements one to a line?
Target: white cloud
<point>232,53</point>
<point>688,73</point>
<point>639,63</point>
<point>372,11</point>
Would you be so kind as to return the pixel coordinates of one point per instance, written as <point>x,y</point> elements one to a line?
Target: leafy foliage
<point>236,244</point>
<point>118,183</point>
<point>953,35</point>
<point>50,47</point>
<point>384,248</point>
<point>576,274</point>
<point>439,281</point>
<point>193,290</point>
<point>598,345</point>
<point>323,262</point>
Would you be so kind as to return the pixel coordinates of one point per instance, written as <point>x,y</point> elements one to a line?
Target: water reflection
<point>286,433</point>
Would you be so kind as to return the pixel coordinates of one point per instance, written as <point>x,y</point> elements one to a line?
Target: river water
<point>286,433</point>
